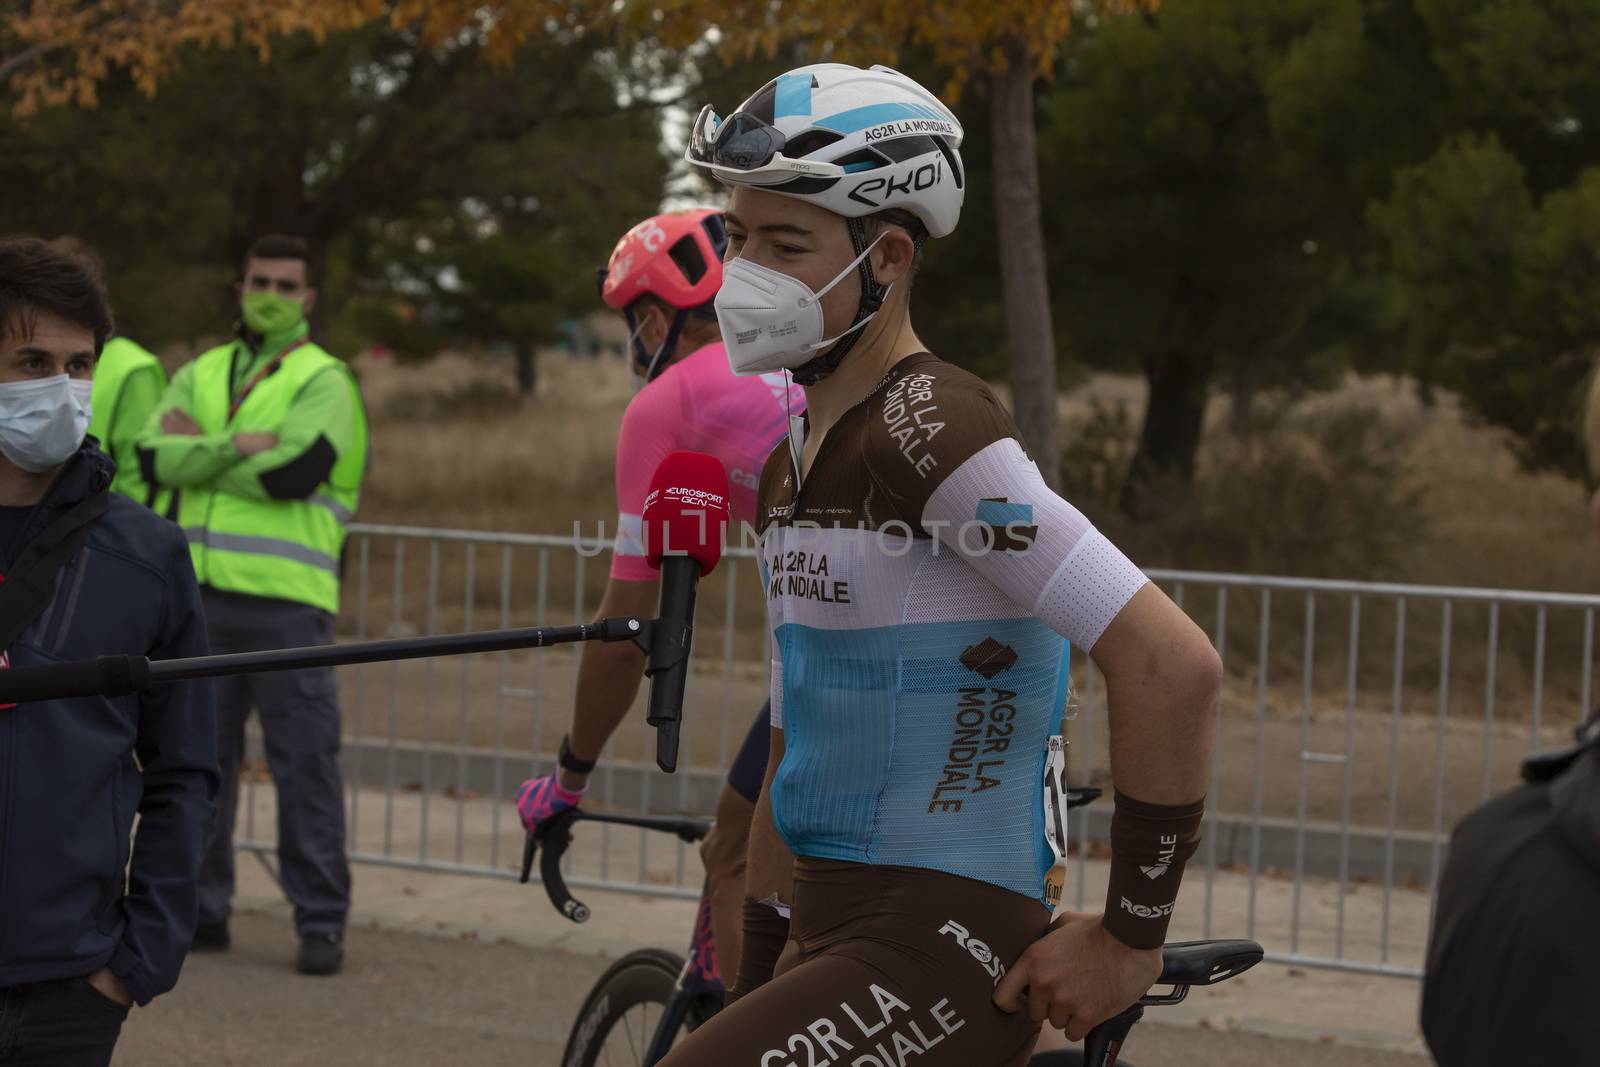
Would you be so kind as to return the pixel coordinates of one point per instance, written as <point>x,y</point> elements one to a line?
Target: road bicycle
<point>645,1000</point>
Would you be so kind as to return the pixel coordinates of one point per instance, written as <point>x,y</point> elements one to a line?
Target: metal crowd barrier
<point>1354,732</point>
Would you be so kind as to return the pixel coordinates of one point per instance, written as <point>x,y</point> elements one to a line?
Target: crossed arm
<point>288,464</point>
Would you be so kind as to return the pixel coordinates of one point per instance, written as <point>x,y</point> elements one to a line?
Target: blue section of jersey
<point>1003,513</point>
<point>1063,694</point>
<point>792,96</point>
<point>921,745</point>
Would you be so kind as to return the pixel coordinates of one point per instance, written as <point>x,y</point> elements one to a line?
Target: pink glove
<point>540,798</point>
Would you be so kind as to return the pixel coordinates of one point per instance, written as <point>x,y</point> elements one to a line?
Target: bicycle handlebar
<point>554,834</point>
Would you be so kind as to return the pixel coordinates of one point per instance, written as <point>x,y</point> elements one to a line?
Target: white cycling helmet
<point>853,141</point>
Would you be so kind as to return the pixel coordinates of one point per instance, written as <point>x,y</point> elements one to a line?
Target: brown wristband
<point>1150,843</point>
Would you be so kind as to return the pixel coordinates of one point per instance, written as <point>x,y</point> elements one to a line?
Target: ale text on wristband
<point>1150,843</point>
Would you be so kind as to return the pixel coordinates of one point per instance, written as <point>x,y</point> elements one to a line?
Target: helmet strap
<point>872,296</point>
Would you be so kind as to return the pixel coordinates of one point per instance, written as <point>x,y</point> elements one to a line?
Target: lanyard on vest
<point>277,361</point>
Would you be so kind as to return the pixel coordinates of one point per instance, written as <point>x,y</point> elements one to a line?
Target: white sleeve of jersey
<point>997,513</point>
<point>630,536</point>
<point>777,692</point>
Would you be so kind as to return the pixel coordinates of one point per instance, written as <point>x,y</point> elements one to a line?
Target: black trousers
<point>62,1023</point>
<point>300,724</point>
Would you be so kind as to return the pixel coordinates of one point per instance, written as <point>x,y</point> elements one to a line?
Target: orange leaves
<point>499,28</point>
<point>970,37</point>
<point>61,49</point>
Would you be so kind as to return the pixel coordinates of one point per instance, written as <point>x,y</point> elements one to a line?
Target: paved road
<point>410,998</point>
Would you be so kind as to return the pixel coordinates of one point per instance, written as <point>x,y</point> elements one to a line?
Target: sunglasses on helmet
<point>745,145</point>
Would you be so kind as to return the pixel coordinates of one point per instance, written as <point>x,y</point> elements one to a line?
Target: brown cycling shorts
<point>885,966</point>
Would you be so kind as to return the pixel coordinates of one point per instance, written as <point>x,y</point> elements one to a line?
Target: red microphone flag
<point>686,510</point>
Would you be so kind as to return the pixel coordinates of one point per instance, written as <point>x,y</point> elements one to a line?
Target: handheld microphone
<point>685,517</point>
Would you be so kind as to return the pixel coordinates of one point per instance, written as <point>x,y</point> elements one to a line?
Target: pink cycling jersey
<point>697,404</point>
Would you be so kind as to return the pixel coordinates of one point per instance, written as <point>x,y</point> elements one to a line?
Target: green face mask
<point>269,313</point>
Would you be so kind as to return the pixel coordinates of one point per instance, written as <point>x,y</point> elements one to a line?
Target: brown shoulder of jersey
<point>926,420</point>
<point>775,491</point>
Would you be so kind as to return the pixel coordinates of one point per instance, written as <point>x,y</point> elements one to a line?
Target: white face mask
<point>43,420</point>
<point>771,321</point>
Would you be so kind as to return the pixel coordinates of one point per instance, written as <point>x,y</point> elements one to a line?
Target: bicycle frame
<point>671,1020</point>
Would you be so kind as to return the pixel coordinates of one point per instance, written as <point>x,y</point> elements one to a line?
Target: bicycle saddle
<point>1206,962</point>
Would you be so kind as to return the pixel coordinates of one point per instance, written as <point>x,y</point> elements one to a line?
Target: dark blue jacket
<point>74,772</point>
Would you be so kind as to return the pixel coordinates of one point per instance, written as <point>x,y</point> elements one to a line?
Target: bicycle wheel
<point>619,1018</point>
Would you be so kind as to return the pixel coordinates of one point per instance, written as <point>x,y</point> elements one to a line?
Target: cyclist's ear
<point>653,325</point>
<point>893,256</point>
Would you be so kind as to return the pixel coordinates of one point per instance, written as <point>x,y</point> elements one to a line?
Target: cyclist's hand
<point>1077,976</point>
<point>540,798</point>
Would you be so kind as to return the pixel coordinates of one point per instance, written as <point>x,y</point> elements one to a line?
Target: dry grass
<point>453,445</point>
<point>455,448</point>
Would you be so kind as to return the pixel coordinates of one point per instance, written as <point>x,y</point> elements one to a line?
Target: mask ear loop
<point>633,338</point>
<point>872,297</point>
<point>650,368</point>
<point>636,351</point>
<point>667,345</point>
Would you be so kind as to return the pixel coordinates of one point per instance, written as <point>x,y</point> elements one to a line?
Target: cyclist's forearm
<point>609,674</point>
<point>1162,683</point>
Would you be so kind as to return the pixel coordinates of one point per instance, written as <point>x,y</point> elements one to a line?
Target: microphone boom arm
<point>122,675</point>
<point>687,485</point>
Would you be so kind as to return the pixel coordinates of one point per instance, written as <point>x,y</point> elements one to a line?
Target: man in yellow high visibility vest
<point>263,442</point>
<point>128,383</point>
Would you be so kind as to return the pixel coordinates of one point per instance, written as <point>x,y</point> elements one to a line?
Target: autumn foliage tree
<point>60,50</point>
<point>433,178</point>
<point>1001,48</point>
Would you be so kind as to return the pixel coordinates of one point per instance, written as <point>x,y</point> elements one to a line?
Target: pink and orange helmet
<point>676,258</point>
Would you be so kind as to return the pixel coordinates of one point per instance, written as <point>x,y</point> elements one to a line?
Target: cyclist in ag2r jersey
<point>662,277</point>
<point>923,582</point>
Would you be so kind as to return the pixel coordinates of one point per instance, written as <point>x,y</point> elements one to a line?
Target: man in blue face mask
<point>87,573</point>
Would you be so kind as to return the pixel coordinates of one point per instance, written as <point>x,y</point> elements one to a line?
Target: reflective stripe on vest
<point>340,512</point>
<point>286,549</point>
<point>261,546</point>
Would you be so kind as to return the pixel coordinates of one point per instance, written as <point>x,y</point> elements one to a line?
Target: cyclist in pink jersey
<point>700,405</point>
<point>663,277</point>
